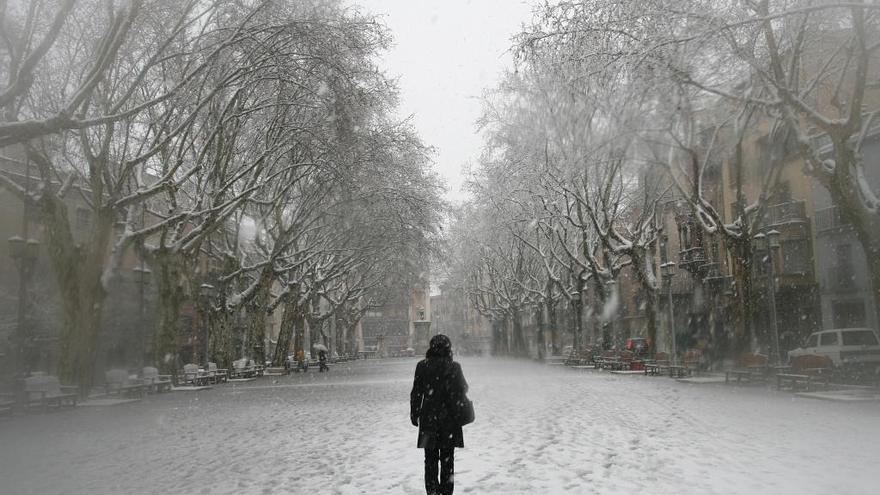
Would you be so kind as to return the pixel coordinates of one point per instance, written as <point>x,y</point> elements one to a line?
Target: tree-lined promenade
<point>347,432</point>
<point>634,136</point>
<point>247,152</point>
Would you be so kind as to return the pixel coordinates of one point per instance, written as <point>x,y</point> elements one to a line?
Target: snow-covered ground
<point>539,429</point>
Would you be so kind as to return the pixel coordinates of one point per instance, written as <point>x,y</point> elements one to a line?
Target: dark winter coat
<point>438,383</point>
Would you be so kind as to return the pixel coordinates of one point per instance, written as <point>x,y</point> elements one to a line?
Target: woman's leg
<point>447,471</point>
<point>432,457</point>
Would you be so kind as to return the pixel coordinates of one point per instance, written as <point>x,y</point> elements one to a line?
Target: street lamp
<point>667,271</point>
<point>772,241</point>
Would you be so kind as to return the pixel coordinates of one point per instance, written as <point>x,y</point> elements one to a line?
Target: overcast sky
<point>445,53</point>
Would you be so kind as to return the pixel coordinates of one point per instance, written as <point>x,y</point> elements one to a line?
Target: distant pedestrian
<point>438,385</point>
<point>322,361</point>
<point>301,361</point>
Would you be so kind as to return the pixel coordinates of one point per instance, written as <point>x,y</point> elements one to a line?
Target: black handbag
<point>464,411</point>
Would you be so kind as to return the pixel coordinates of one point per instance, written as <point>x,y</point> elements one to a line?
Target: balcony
<point>830,219</point>
<point>692,258</point>
<point>710,270</point>
<point>783,213</point>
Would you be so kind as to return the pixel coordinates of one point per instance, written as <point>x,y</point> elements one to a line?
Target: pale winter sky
<point>445,53</point>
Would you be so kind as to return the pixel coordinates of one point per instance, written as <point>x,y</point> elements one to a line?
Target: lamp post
<point>667,271</point>
<point>763,242</point>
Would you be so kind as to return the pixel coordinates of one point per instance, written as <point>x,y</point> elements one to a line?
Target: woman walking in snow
<point>438,385</point>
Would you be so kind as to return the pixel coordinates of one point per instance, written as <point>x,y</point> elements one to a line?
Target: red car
<point>638,346</point>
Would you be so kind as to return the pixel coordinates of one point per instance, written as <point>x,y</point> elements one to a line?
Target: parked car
<point>846,347</point>
<point>638,346</point>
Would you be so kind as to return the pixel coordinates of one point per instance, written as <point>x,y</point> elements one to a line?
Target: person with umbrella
<point>322,357</point>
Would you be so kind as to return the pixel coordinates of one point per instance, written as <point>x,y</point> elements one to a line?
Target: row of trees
<point>245,150</point>
<point>618,110</point>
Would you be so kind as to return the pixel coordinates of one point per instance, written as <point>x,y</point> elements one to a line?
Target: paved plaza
<point>539,429</point>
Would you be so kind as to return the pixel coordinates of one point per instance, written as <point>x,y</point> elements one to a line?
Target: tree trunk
<point>577,323</point>
<point>651,313</point>
<point>285,334</point>
<point>257,315</point>
<point>353,336</point>
<point>220,340</point>
<point>78,271</point>
<point>542,326</point>
<point>554,327</point>
<point>641,262</point>
<point>496,338</point>
<point>171,298</point>
<point>519,341</point>
<point>299,330</point>
<point>744,314</point>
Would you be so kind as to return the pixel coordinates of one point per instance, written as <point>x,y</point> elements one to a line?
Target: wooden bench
<point>747,374</point>
<point>575,358</point>
<point>693,361</point>
<point>46,391</point>
<point>807,380</point>
<point>678,370</point>
<point>154,382</point>
<point>653,368</point>
<point>657,366</point>
<point>616,360</point>
<point>806,371</point>
<point>751,368</point>
<point>217,375</point>
<point>607,360</point>
<point>192,375</point>
<point>6,406</point>
<point>117,382</point>
<point>245,368</point>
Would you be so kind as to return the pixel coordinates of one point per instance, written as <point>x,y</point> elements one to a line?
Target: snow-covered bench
<point>119,383</point>
<point>245,368</point>
<point>658,365</point>
<point>46,391</point>
<point>6,406</point>
<point>755,374</point>
<point>191,374</point>
<point>154,382</point>
<point>217,375</point>
<point>795,380</point>
<point>807,371</point>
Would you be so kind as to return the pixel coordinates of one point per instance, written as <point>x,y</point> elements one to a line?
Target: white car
<point>844,346</point>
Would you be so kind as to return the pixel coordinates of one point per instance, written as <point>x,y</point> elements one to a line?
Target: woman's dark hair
<point>440,347</point>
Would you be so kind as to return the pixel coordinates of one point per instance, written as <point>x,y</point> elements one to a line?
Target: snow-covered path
<point>539,429</point>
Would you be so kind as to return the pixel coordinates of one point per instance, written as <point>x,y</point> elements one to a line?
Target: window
<point>796,256</point>
<point>842,276</point>
<point>813,341</point>
<point>664,249</point>
<point>829,338</point>
<point>848,314</point>
<point>859,337</point>
<point>83,219</point>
